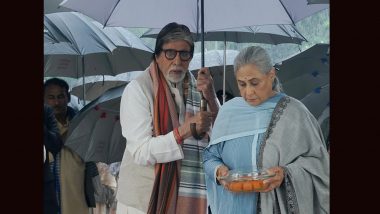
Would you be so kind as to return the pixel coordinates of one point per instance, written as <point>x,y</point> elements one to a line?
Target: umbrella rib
<point>105,24</point>
<point>287,12</point>
<point>294,28</point>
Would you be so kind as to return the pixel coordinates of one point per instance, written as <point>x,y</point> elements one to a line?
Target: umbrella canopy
<point>305,71</point>
<point>267,34</point>
<point>75,102</point>
<point>318,1</point>
<point>52,46</point>
<point>52,6</point>
<point>218,14</point>
<point>317,100</point>
<point>98,50</point>
<point>214,61</point>
<point>200,16</point>
<point>213,58</point>
<point>95,133</point>
<point>318,103</point>
<point>95,86</point>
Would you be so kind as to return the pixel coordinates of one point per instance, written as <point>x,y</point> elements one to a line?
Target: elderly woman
<point>265,129</point>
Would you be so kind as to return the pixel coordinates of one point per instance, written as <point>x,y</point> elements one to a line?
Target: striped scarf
<point>179,186</point>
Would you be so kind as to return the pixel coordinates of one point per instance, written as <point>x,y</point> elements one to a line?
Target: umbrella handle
<point>193,125</point>
<point>203,103</point>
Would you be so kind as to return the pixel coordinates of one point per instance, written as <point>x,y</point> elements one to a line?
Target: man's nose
<point>56,101</point>
<point>177,59</point>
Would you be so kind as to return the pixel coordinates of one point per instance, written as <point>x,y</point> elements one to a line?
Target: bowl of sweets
<point>246,180</point>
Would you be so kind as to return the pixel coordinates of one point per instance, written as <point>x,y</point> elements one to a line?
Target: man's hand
<point>205,84</point>
<point>202,119</point>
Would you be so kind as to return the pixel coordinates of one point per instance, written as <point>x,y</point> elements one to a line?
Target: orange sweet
<point>247,186</point>
<point>236,186</point>
<point>257,184</point>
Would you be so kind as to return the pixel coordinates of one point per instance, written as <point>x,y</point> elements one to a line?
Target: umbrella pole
<point>203,99</point>
<point>202,35</point>
<point>224,68</point>
<point>83,82</point>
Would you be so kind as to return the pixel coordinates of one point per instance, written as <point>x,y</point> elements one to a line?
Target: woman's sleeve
<point>212,160</point>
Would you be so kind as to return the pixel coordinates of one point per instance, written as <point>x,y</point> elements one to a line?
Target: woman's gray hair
<point>258,56</point>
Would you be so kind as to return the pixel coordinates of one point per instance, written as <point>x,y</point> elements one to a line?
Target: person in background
<point>105,194</point>
<point>69,169</point>
<point>52,145</point>
<point>267,130</point>
<point>161,170</point>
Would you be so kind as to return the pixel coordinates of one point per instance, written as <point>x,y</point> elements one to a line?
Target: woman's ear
<point>272,73</point>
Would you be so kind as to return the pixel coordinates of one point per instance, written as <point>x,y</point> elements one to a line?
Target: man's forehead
<point>176,43</point>
<point>54,89</point>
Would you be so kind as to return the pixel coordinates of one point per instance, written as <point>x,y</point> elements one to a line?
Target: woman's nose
<point>250,90</point>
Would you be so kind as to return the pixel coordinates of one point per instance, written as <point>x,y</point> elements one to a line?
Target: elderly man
<point>160,116</point>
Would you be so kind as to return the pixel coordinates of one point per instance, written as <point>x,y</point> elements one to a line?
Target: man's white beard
<point>175,78</point>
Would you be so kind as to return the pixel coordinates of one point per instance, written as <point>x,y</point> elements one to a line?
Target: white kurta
<point>143,150</point>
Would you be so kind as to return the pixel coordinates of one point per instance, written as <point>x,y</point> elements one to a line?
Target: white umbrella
<point>318,1</point>
<point>218,14</point>
<point>214,60</point>
<point>52,6</point>
<point>200,16</point>
<point>269,34</point>
<point>95,132</point>
<point>266,34</point>
<point>95,86</point>
<point>75,102</point>
<point>98,50</point>
<point>52,46</point>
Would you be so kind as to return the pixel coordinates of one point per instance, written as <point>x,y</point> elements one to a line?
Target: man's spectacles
<point>170,54</point>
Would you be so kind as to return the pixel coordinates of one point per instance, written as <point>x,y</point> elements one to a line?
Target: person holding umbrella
<point>160,116</point>
<point>265,130</point>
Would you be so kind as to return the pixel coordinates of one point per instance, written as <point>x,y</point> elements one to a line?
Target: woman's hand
<point>220,172</point>
<point>275,181</point>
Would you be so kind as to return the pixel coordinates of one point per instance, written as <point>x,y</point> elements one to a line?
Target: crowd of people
<point>183,143</point>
